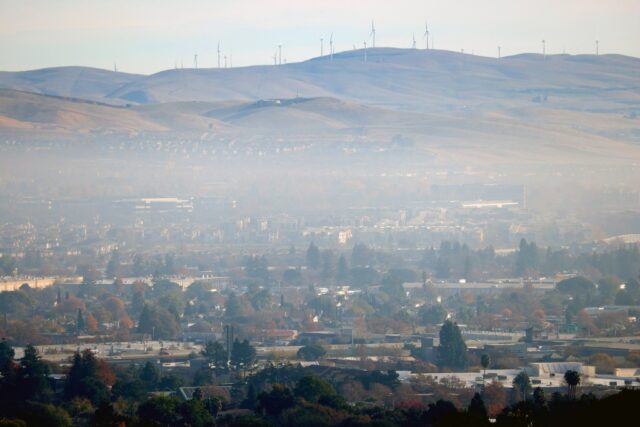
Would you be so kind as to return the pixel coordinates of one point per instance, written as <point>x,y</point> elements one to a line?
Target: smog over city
<point>281,213</point>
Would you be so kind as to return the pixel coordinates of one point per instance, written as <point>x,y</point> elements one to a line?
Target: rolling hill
<point>424,80</point>
<point>522,106</point>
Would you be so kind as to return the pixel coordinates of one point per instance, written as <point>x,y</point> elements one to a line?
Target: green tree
<point>311,352</point>
<point>39,414</point>
<point>433,314</point>
<point>452,351</point>
<point>113,269</point>
<point>242,354</point>
<point>477,408</point>
<point>6,357</point>
<point>327,264</point>
<point>522,383</point>
<point>80,323</point>
<point>313,257</point>
<point>83,379</point>
<point>195,414</point>
<point>150,375</point>
<point>33,373</point>
<point>538,397</point>
<point>276,401</point>
<point>216,354</point>
<point>159,412</point>
<point>572,378</point>
<point>313,389</point>
<point>485,361</point>
<point>232,307</point>
<point>106,416</point>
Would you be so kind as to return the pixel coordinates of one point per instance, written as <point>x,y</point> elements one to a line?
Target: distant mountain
<point>421,80</point>
<point>524,106</point>
<point>76,82</point>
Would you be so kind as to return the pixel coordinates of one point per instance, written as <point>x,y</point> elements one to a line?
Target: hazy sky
<point>146,36</point>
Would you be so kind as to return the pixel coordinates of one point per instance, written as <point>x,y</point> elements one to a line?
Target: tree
<point>485,361</point>
<point>452,351</point>
<point>362,256</point>
<point>311,352</point>
<point>150,375</point>
<point>160,411</point>
<point>313,256</point>
<point>6,357</point>
<point>232,308</point>
<point>538,397</point>
<point>476,407</point>
<point>112,270</point>
<point>106,416</point>
<point>495,398</point>
<point>276,401</point>
<point>327,264</point>
<point>195,414</point>
<point>89,274</point>
<point>242,354</point>
<point>32,381</point>
<point>527,257</point>
<point>433,314</point>
<point>158,322</point>
<point>312,389</point>
<point>572,378</point>
<point>83,379</point>
<point>522,383</point>
<point>216,354</point>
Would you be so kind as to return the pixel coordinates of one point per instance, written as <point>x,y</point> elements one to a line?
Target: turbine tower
<point>279,54</point>
<point>195,60</point>
<point>365,51</point>
<point>218,54</point>
<point>225,61</point>
<point>498,52</point>
<point>597,47</point>
<point>544,48</point>
<point>413,45</point>
<point>373,34</point>
<point>331,46</point>
<point>426,33</point>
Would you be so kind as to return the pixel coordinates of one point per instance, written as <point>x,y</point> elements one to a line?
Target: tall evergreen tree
<point>452,351</point>
<point>313,256</point>
<point>80,323</point>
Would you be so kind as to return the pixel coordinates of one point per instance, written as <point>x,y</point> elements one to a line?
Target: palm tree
<point>485,361</point>
<point>572,378</point>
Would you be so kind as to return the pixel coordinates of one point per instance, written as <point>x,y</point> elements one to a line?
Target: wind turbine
<point>218,54</point>
<point>373,34</point>
<point>280,54</point>
<point>225,61</point>
<point>426,33</point>
<point>413,45</point>
<point>597,47</point>
<point>195,60</point>
<point>499,52</point>
<point>331,46</point>
<point>365,51</point>
<point>321,46</point>
<point>544,48</point>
